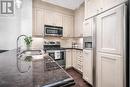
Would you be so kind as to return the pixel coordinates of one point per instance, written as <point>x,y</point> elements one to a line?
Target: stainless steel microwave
<point>87,42</point>
<point>53,30</point>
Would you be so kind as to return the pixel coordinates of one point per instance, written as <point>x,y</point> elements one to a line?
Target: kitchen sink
<point>32,52</point>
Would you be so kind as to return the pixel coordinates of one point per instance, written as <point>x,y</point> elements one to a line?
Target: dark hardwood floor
<point>77,78</point>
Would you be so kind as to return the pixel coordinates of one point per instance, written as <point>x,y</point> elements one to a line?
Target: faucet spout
<point>18,48</point>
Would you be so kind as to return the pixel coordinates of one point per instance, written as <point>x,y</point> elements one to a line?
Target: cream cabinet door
<point>77,24</point>
<point>74,58</point>
<point>68,58</point>
<point>49,17</point>
<point>58,19</point>
<point>79,60</point>
<point>109,70</point>
<point>92,7</point>
<point>79,19</point>
<point>38,22</point>
<point>88,66</point>
<point>53,18</point>
<point>107,4</point>
<point>68,26</point>
<point>88,27</point>
<point>110,28</point>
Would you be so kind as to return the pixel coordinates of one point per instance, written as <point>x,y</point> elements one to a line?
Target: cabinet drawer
<point>80,68</point>
<point>79,61</point>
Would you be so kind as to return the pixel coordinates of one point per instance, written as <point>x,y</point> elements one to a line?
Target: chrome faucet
<point>19,48</point>
<point>19,56</point>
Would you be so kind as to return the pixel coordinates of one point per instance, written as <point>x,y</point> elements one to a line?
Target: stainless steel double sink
<point>32,52</point>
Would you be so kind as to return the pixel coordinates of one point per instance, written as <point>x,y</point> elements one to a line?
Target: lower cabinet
<point>77,60</point>
<point>68,58</point>
<point>74,58</point>
<point>88,66</point>
<point>109,70</point>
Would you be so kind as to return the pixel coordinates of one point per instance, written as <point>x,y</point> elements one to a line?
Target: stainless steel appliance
<point>53,30</point>
<point>87,42</point>
<point>56,54</point>
<point>55,51</point>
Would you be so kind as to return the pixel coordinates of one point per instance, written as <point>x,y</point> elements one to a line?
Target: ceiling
<point>70,4</point>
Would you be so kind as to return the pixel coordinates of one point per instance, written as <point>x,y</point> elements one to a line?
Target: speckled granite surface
<point>42,72</point>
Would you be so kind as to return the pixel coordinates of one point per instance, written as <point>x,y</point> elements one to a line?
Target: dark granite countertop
<point>44,72</point>
<point>1,51</point>
<point>74,48</point>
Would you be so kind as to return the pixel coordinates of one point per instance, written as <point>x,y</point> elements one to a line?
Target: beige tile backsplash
<point>66,42</point>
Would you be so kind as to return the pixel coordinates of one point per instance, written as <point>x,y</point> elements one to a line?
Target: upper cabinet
<point>110,28</point>
<point>79,19</point>
<point>107,4</point>
<point>88,27</point>
<point>43,17</point>
<point>38,22</point>
<point>49,17</point>
<point>58,19</point>
<point>53,18</point>
<point>94,7</point>
<point>68,26</point>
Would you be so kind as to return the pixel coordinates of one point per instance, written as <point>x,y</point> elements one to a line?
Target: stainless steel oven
<point>56,54</point>
<point>53,30</point>
<point>55,51</point>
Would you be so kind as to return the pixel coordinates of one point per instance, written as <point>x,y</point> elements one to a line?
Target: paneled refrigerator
<point>105,37</point>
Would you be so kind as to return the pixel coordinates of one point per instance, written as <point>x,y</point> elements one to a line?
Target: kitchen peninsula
<point>44,72</point>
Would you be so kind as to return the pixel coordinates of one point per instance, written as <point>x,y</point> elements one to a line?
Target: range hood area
<point>54,31</point>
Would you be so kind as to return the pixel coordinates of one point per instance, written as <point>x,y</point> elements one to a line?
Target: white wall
<point>12,26</point>
<point>26,17</point>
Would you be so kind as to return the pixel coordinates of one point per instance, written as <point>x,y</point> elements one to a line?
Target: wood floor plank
<point>77,78</point>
